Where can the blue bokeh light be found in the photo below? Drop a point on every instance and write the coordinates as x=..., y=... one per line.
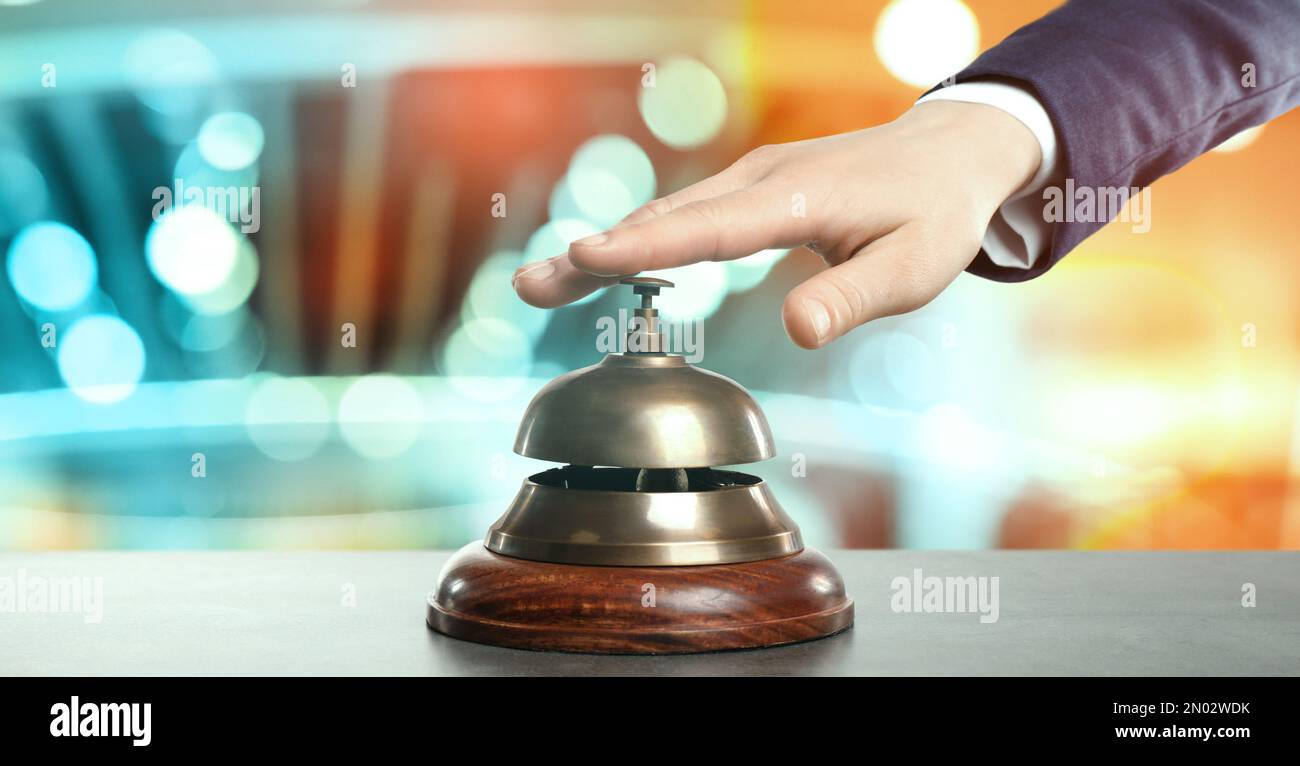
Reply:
x=610, y=176
x=231, y=140
x=101, y=358
x=51, y=266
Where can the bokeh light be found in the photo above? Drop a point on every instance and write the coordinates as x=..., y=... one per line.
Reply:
x=101, y=358
x=487, y=359
x=169, y=70
x=233, y=292
x=923, y=41
x=687, y=105
x=191, y=250
x=554, y=237
x=210, y=332
x=895, y=369
x=698, y=291
x=748, y=272
x=239, y=357
x=51, y=266
x=609, y=177
x=896, y=418
x=231, y=140
x=196, y=175
x=380, y=416
x=562, y=205
x=287, y=418
x=599, y=196
x=948, y=436
x=912, y=368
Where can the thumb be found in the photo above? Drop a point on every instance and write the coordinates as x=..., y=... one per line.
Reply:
x=892, y=275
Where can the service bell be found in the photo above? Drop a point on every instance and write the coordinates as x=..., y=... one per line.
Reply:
x=639, y=542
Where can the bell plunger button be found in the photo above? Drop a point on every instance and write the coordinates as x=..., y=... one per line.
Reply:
x=643, y=335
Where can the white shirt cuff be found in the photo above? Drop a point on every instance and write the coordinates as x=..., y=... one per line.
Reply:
x=1017, y=235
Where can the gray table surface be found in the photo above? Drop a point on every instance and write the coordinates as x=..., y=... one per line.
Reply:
x=1060, y=613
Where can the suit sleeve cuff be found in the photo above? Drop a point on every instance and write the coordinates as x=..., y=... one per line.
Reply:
x=1017, y=236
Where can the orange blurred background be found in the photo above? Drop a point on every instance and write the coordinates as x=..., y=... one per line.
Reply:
x=1157, y=326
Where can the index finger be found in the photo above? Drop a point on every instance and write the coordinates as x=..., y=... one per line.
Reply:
x=729, y=226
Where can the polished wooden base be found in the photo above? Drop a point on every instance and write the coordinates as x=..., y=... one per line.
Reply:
x=492, y=599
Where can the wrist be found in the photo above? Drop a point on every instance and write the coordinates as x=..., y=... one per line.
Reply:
x=994, y=149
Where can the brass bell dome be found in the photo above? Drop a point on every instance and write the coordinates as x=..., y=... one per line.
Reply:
x=644, y=409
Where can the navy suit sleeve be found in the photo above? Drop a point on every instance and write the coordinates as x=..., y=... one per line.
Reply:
x=1138, y=88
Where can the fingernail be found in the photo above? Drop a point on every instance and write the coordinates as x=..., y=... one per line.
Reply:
x=821, y=318
x=595, y=240
x=539, y=270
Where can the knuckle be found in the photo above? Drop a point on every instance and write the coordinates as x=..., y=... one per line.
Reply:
x=704, y=211
x=657, y=207
x=707, y=217
x=761, y=158
x=652, y=209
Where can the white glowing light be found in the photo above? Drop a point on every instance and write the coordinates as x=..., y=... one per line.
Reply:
x=700, y=290
x=686, y=106
x=191, y=250
x=948, y=436
x=1111, y=415
x=101, y=358
x=231, y=140
x=1239, y=141
x=380, y=416
x=923, y=41
x=287, y=418
x=235, y=290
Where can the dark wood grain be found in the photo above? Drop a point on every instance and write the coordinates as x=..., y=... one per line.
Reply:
x=492, y=599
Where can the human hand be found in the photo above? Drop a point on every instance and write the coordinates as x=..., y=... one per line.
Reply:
x=896, y=211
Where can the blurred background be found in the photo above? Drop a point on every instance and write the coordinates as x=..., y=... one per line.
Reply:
x=257, y=282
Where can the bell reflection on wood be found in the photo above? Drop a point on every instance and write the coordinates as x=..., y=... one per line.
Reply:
x=637, y=503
